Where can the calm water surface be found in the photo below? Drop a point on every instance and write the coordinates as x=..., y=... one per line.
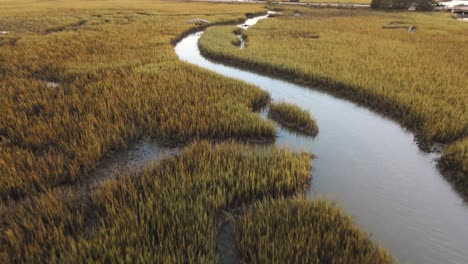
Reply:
x=371, y=167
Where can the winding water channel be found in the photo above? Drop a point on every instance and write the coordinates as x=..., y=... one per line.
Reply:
x=370, y=166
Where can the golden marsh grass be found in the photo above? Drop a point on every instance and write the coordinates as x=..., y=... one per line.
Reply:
x=166, y=213
x=119, y=79
x=417, y=78
x=293, y=117
x=295, y=230
x=79, y=79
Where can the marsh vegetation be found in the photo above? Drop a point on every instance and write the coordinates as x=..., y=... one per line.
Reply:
x=352, y=55
x=111, y=90
x=294, y=117
x=167, y=212
x=295, y=230
x=79, y=79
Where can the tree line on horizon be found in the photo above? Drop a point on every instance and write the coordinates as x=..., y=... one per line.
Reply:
x=421, y=5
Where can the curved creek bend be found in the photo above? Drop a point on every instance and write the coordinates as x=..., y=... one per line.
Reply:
x=370, y=166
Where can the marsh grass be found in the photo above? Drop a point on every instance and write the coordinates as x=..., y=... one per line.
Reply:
x=455, y=163
x=294, y=117
x=166, y=213
x=294, y=230
x=119, y=79
x=418, y=78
